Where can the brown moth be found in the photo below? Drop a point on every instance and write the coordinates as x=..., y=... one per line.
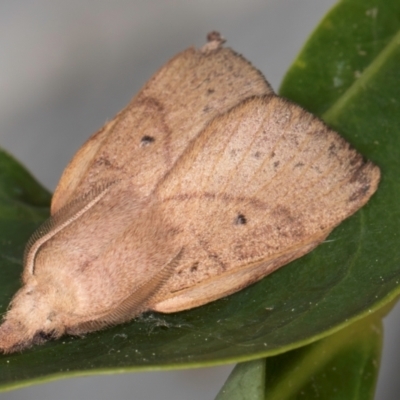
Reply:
x=205, y=183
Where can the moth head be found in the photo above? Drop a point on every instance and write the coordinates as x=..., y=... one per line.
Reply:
x=31, y=318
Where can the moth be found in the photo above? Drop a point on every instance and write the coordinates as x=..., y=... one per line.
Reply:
x=204, y=184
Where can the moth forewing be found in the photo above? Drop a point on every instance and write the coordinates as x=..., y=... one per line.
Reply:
x=60, y=220
x=170, y=110
x=132, y=305
x=228, y=282
x=266, y=181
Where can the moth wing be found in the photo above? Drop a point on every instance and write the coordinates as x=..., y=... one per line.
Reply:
x=262, y=185
x=145, y=139
x=133, y=304
x=59, y=221
x=108, y=259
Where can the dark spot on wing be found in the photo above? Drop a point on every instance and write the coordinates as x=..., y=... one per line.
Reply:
x=146, y=140
x=359, y=194
x=194, y=267
x=332, y=149
x=240, y=220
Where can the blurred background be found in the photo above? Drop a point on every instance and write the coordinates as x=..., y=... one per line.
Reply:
x=68, y=67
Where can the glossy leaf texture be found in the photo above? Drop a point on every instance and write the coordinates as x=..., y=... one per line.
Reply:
x=23, y=206
x=341, y=366
x=246, y=381
x=355, y=272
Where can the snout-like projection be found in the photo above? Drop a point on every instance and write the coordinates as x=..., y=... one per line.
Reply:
x=205, y=183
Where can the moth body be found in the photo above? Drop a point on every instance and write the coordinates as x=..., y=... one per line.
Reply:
x=204, y=184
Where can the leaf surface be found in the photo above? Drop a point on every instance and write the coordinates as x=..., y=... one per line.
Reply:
x=344, y=365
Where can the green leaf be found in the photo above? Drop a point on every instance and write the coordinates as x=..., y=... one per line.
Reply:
x=344, y=365
x=341, y=366
x=353, y=273
x=246, y=382
x=347, y=41
x=23, y=206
